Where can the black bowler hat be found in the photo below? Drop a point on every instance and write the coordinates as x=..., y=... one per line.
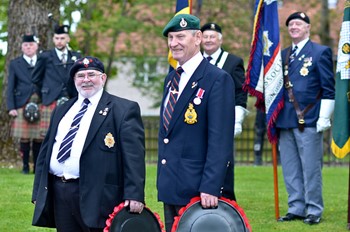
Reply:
x=28, y=38
x=62, y=29
x=121, y=220
x=86, y=63
x=228, y=217
x=211, y=26
x=298, y=15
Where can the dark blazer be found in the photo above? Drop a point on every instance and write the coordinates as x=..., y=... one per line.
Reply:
x=107, y=175
x=20, y=87
x=234, y=65
x=52, y=76
x=194, y=158
x=318, y=80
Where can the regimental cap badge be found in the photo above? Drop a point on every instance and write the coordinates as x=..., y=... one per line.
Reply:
x=183, y=23
x=302, y=15
x=212, y=26
x=86, y=62
x=109, y=140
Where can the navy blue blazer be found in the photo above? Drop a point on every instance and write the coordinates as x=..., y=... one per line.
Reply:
x=307, y=84
x=20, y=87
x=194, y=158
x=52, y=76
x=108, y=175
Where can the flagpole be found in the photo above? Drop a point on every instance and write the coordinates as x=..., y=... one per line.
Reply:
x=349, y=199
x=275, y=179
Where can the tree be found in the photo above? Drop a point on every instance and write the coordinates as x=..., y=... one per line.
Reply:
x=24, y=17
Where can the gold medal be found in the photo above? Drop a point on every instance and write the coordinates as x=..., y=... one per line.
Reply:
x=109, y=140
x=304, y=71
x=190, y=115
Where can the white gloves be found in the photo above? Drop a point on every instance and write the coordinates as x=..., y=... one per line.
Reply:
x=326, y=111
x=240, y=113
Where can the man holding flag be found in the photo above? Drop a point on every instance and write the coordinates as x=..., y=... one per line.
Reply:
x=308, y=106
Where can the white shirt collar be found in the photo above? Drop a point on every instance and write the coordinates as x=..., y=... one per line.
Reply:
x=27, y=58
x=214, y=56
x=93, y=100
x=191, y=65
x=300, y=45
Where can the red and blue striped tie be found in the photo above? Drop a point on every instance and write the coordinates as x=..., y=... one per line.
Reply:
x=174, y=93
x=66, y=145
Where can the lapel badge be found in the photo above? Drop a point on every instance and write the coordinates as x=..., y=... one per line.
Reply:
x=194, y=84
x=304, y=71
x=190, y=115
x=109, y=140
x=104, y=112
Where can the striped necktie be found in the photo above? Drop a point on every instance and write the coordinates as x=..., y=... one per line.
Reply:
x=293, y=54
x=66, y=145
x=174, y=93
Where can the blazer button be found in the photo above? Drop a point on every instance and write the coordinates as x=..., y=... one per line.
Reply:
x=166, y=140
x=163, y=161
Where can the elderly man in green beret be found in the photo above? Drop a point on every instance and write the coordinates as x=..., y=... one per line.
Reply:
x=195, y=157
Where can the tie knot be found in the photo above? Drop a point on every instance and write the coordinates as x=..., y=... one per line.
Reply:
x=209, y=58
x=179, y=70
x=86, y=101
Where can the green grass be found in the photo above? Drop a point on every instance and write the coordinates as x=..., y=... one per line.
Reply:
x=254, y=190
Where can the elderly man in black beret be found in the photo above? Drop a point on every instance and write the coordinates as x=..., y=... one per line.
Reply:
x=234, y=65
x=308, y=106
x=195, y=146
x=51, y=74
x=92, y=158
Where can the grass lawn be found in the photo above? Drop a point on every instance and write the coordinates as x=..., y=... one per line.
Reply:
x=254, y=191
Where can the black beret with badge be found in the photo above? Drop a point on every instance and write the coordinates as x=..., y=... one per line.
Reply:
x=211, y=26
x=86, y=63
x=182, y=22
x=298, y=15
x=61, y=29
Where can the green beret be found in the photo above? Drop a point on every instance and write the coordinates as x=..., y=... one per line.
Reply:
x=182, y=22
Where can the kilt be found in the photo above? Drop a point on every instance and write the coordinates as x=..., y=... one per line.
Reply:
x=20, y=128
x=46, y=112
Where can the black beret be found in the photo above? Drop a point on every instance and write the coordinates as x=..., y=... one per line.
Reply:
x=298, y=15
x=181, y=22
x=211, y=26
x=28, y=38
x=62, y=29
x=86, y=63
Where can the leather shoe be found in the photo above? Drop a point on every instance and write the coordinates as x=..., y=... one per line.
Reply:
x=290, y=217
x=312, y=219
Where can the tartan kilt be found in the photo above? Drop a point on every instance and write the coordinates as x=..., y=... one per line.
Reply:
x=46, y=112
x=22, y=129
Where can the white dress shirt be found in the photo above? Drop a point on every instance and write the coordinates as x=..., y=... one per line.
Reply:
x=70, y=168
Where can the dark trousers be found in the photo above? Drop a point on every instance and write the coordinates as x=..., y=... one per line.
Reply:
x=67, y=207
x=170, y=211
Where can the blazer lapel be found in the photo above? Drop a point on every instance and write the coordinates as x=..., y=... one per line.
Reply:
x=98, y=118
x=187, y=93
x=298, y=63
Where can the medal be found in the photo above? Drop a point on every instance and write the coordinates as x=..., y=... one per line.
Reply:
x=199, y=96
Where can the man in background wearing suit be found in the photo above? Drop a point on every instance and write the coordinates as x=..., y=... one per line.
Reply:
x=51, y=74
x=21, y=91
x=195, y=145
x=308, y=106
x=232, y=64
x=79, y=181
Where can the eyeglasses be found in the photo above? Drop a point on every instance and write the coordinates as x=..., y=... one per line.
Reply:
x=90, y=75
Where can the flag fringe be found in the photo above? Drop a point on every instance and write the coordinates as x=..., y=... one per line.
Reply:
x=340, y=152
